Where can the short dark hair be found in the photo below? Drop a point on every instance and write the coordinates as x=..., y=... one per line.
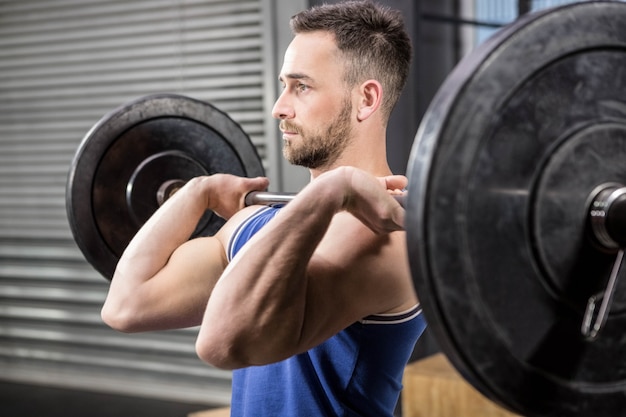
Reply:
x=373, y=39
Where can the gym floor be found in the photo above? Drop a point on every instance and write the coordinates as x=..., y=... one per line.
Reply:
x=18, y=400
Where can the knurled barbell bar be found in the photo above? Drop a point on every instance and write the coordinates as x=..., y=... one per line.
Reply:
x=516, y=204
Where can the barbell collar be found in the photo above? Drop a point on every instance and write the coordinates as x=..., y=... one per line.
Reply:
x=607, y=214
x=168, y=189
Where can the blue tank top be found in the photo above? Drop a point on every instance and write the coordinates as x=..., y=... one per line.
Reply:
x=357, y=372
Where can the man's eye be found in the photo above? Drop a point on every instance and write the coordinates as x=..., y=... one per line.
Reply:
x=302, y=87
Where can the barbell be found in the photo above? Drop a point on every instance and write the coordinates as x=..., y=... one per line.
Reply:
x=516, y=207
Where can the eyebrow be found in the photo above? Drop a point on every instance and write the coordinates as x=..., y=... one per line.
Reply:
x=295, y=76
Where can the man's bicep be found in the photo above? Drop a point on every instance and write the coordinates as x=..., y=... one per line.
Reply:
x=177, y=295
x=198, y=265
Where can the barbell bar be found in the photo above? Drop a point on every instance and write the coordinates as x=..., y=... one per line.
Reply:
x=267, y=198
x=515, y=210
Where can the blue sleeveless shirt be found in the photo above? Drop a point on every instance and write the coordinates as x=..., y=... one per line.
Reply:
x=357, y=372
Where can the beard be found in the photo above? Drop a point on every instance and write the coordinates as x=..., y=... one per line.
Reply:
x=321, y=147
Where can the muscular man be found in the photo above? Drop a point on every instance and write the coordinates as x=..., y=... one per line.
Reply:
x=311, y=304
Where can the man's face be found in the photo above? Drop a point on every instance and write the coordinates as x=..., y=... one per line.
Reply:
x=315, y=106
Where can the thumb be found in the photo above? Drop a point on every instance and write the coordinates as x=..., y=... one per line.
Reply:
x=258, y=183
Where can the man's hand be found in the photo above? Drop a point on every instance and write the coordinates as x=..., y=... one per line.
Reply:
x=366, y=197
x=225, y=194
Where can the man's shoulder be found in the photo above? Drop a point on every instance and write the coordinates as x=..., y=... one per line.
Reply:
x=351, y=244
x=243, y=225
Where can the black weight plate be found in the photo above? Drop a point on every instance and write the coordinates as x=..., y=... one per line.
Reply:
x=124, y=159
x=500, y=175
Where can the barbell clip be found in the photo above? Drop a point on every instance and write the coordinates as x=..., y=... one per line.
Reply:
x=589, y=331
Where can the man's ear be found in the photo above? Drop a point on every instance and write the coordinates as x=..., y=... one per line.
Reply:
x=370, y=99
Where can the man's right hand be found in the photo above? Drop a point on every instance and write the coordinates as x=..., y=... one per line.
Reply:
x=225, y=193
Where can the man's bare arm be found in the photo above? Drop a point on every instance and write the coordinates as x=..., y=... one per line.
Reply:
x=283, y=294
x=163, y=280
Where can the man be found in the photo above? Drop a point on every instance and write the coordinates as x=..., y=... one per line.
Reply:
x=312, y=304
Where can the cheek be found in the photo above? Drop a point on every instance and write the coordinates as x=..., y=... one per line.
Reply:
x=320, y=116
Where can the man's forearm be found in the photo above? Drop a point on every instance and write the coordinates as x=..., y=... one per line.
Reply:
x=264, y=295
x=170, y=226
x=137, y=301
x=163, y=280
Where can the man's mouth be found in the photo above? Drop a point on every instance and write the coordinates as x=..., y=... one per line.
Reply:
x=289, y=130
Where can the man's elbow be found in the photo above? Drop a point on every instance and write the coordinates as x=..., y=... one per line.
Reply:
x=120, y=319
x=224, y=348
x=227, y=349
x=219, y=354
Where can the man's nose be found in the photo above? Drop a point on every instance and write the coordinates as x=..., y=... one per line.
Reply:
x=282, y=108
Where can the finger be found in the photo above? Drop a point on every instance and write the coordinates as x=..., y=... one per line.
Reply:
x=395, y=182
x=397, y=217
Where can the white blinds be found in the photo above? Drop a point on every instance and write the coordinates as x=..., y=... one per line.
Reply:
x=63, y=65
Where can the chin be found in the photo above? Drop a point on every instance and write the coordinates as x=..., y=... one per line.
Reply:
x=288, y=152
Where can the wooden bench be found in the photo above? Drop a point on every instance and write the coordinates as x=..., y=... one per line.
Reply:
x=217, y=412
x=433, y=388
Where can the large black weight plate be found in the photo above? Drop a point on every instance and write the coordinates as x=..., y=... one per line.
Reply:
x=124, y=159
x=500, y=177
